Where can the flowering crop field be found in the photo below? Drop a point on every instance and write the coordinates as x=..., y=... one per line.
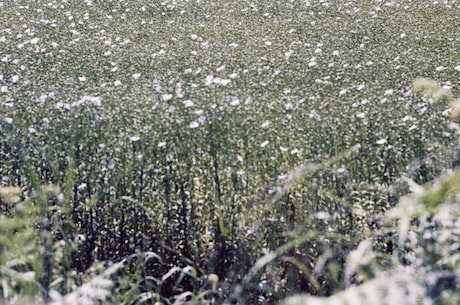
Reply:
x=183, y=140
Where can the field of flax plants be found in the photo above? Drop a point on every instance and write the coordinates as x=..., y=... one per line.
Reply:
x=161, y=152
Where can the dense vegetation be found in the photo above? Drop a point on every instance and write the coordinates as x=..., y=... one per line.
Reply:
x=153, y=152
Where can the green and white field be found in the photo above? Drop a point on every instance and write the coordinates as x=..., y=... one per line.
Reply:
x=229, y=152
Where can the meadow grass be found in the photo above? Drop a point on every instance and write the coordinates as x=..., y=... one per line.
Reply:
x=188, y=138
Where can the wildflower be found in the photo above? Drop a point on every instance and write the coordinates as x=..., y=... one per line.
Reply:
x=381, y=141
x=440, y=68
x=388, y=92
x=263, y=144
x=288, y=53
x=166, y=97
x=235, y=101
x=225, y=82
x=314, y=115
x=265, y=124
x=295, y=151
x=194, y=124
x=202, y=119
x=188, y=103
x=208, y=81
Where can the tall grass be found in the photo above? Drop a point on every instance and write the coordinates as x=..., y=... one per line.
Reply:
x=187, y=139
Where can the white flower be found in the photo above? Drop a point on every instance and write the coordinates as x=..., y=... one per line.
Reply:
x=136, y=75
x=288, y=54
x=314, y=115
x=34, y=40
x=117, y=83
x=361, y=115
x=381, y=141
x=265, y=124
x=221, y=68
x=240, y=172
x=9, y=120
x=446, y=134
x=134, y=138
x=82, y=78
x=194, y=124
x=208, y=81
x=235, y=101
x=295, y=151
x=440, y=68
x=343, y=92
x=225, y=82
x=166, y=97
x=335, y=53
x=188, y=103
x=233, y=75
x=402, y=35
x=15, y=78
x=457, y=68
x=4, y=89
x=388, y=92
x=407, y=118
x=161, y=144
x=264, y=143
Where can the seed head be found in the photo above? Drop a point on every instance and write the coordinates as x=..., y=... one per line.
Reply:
x=10, y=195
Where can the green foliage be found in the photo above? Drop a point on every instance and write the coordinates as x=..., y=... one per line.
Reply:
x=189, y=138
